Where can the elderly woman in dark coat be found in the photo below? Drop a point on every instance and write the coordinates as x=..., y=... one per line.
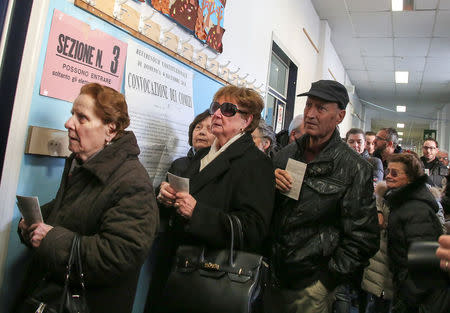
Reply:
x=412, y=218
x=105, y=197
x=232, y=177
x=200, y=136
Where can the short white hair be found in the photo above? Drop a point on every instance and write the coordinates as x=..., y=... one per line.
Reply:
x=295, y=123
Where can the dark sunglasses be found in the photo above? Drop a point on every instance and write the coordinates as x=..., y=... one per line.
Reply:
x=227, y=109
x=394, y=173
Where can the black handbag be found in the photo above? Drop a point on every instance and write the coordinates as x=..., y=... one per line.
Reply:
x=52, y=297
x=219, y=281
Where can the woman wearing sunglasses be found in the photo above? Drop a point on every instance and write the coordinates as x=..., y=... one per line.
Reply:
x=412, y=218
x=231, y=177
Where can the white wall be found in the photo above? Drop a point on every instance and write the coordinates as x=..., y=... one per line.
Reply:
x=251, y=26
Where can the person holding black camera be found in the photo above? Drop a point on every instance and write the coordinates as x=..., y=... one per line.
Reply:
x=412, y=219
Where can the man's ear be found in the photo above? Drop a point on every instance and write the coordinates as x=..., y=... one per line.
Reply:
x=341, y=116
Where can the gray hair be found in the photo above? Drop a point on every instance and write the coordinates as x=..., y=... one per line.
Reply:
x=267, y=132
x=295, y=123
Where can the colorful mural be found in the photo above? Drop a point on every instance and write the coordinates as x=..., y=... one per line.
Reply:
x=204, y=18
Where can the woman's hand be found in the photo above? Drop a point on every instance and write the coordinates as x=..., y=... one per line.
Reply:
x=166, y=194
x=283, y=180
x=443, y=252
x=185, y=204
x=24, y=230
x=37, y=232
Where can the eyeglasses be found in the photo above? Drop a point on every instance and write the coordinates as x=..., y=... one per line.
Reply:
x=227, y=109
x=428, y=148
x=380, y=138
x=394, y=173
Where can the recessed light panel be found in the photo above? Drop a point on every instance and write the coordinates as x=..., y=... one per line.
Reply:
x=397, y=5
x=400, y=133
x=400, y=125
x=401, y=108
x=401, y=77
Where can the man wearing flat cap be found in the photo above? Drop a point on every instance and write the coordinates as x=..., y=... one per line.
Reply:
x=326, y=237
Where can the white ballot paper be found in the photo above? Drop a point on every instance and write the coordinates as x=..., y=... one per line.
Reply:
x=297, y=171
x=180, y=184
x=30, y=209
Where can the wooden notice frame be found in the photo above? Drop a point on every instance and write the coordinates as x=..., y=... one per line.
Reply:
x=93, y=10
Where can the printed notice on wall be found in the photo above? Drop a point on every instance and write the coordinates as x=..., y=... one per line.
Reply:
x=160, y=104
x=77, y=55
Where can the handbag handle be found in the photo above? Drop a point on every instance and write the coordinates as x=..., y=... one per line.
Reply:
x=79, y=263
x=231, y=257
x=240, y=232
x=70, y=263
x=74, y=261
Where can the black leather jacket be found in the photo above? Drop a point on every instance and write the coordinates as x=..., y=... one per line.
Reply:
x=330, y=233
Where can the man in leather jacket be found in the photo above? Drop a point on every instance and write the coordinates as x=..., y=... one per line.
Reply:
x=329, y=234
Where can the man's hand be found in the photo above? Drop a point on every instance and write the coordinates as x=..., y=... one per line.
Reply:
x=283, y=180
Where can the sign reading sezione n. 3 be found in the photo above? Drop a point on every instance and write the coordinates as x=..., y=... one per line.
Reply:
x=77, y=55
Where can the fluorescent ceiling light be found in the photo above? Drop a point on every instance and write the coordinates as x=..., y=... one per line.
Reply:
x=400, y=125
x=401, y=108
x=400, y=133
x=397, y=5
x=400, y=139
x=401, y=77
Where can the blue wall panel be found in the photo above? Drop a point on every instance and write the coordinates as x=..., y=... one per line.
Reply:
x=40, y=176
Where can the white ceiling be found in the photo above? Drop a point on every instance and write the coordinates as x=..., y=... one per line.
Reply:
x=373, y=42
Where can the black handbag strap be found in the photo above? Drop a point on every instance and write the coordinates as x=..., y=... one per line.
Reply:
x=79, y=263
x=240, y=235
x=68, y=272
x=231, y=257
x=74, y=261
x=239, y=231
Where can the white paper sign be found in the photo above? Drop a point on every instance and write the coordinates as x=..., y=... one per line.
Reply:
x=297, y=171
x=30, y=209
x=180, y=184
x=159, y=94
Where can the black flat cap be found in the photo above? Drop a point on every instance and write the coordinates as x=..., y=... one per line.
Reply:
x=329, y=90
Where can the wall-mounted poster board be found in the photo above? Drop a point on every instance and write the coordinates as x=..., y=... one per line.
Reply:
x=159, y=93
x=203, y=18
x=41, y=175
x=140, y=25
x=76, y=55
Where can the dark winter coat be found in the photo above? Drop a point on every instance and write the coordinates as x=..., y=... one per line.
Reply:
x=330, y=233
x=437, y=171
x=377, y=166
x=180, y=165
x=109, y=202
x=412, y=218
x=240, y=181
